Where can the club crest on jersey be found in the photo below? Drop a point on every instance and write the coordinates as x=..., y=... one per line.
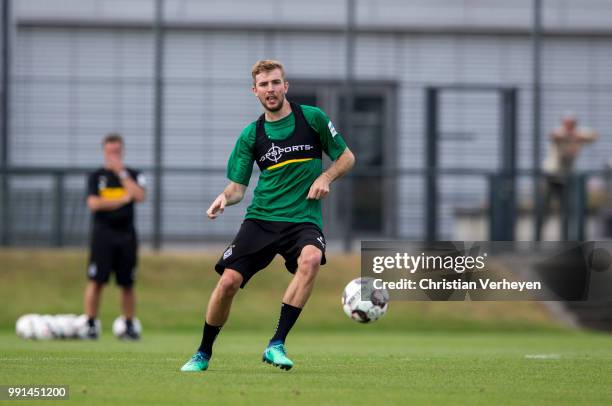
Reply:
x=228, y=252
x=102, y=182
x=275, y=152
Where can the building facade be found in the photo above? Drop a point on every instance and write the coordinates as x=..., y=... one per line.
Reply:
x=83, y=68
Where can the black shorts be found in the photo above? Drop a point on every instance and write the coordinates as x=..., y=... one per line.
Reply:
x=113, y=250
x=258, y=242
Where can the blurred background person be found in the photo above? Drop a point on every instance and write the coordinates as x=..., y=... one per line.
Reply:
x=111, y=193
x=566, y=142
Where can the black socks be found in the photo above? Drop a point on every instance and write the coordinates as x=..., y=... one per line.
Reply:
x=208, y=338
x=287, y=319
x=288, y=316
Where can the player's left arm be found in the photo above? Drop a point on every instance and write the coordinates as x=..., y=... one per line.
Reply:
x=320, y=187
x=334, y=146
x=135, y=188
x=587, y=135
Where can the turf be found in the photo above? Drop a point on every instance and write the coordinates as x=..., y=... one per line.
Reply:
x=419, y=353
x=367, y=367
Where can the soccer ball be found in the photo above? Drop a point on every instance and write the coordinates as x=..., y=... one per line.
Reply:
x=42, y=328
x=52, y=325
x=362, y=302
x=47, y=327
x=24, y=326
x=66, y=325
x=119, y=326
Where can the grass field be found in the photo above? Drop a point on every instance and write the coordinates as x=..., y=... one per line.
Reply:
x=332, y=368
x=419, y=353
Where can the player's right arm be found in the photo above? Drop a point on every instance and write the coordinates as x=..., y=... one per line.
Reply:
x=96, y=203
x=558, y=135
x=233, y=193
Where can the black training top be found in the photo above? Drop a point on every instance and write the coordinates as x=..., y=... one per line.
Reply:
x=106, y=184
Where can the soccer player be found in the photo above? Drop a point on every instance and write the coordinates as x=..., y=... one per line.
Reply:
x=284, y=216
x=112, y=192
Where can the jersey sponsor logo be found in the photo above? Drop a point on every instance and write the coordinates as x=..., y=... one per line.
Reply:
x=275, y=152
x=332, y=130
x=228, y=252
x=102, y=182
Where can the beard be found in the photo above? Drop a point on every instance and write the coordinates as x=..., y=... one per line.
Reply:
x=273, y=109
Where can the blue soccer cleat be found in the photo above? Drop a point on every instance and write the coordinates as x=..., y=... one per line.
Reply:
x=198, y=362
x=277, y=356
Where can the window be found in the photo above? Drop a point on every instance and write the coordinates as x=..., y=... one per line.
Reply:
x=369, y=135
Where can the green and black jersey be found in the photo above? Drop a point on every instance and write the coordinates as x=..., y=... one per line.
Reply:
x=288, y=152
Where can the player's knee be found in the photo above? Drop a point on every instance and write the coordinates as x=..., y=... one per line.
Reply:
x=230, y=283
x=96, y=286
x=127, y=289
x=309, y=260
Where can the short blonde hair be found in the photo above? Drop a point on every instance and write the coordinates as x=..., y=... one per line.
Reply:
x=266, y=65
x=112, y=138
